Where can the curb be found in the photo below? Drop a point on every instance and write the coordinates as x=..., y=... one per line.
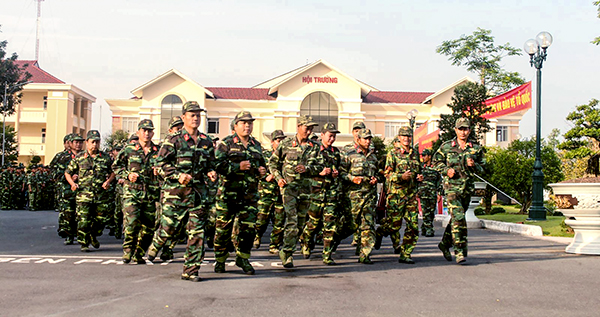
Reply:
x=522, y=229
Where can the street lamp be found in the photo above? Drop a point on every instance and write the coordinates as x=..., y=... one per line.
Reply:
x=537, y=53
x=5, y=100
x=412, y=115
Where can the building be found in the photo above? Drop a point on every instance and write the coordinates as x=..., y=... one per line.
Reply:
x=49, y=109
x=318, y=89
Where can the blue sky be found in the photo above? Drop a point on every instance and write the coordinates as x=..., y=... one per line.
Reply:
x=110, y=47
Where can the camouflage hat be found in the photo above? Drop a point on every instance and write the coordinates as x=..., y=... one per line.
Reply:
x=243, y=116
x=307, y=121
x=277, y=134
x=76, y=137
x=190, y=106
x=462, y=123
x=427, y=152
x=146, y=124
x=405, y=131
x=365, y=134
x=175, y=121
x=134, y=137
x=313, y=136
x=68, y=137
x=93, y=135
x=118, y=147
x=330, y=126
x=359, y=125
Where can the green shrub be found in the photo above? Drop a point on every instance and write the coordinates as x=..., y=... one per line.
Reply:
x=479, y=211
x=498, y=202
x=497, y=210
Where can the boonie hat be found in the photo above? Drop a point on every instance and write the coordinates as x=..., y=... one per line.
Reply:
x=175, y=121
x=277, y=134
x=359, y=125
x=146, y=124
x=190, y=106
x=307, y=121
x=76, y=137
x=365, y=134
x=330, y=126
x=243, y=116
x=93, y=135
x=462, y=123
x=68, y=137
x=405, y=131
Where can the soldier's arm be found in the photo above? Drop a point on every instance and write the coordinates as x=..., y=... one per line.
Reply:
x=390, y=168
x=345, y=167
x=119, y=166
x=439, y=162
x=276, y=161
x=72, y=169
x=479, y=161
x=166, y=160
x=315, y=161
x=223, y=165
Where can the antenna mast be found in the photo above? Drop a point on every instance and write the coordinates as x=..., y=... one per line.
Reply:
x=37, y=32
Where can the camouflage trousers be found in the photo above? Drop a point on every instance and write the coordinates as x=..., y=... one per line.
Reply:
x=118, y=218
x=295, y=203
x=270, y=209
x=455, y=234
x=34, y=200
x=363, y=204
x=401, y=207
x=91, y=218
x=428, y=209
x=232, y=207
x=177, y=204
x=139, y=212
x=321, y=214
x=67, y=215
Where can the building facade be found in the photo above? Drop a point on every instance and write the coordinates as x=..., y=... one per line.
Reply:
x=318, y=89
x=49, y=109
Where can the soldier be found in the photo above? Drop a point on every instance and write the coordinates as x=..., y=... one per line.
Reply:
x=289, y=164
x=240, y=162
x=93, y=168
x=58, y=173
x=270, y=205
x=358, y=170
x=428, y=193
x=34, y=187
x=135, y=164
x=325, y=192
x=458, y=161
x=118, y=189
x=67, y=217
x=403, y=170
x=184, y=160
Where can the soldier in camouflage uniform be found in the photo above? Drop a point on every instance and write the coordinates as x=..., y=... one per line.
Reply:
x=428, y=193
x=270, y=205
x=239, y=160
x=457, y=161
x=56, y=172
x=93, y=168
x=324, y=196
x=358, y=170
x=135, y=163
x=403, y=170
x=290, y=163
x=34, y=186
x=184, y=161
x=117, y=230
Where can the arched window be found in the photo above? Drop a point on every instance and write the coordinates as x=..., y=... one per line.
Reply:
x=170, y=106
x=322, y=107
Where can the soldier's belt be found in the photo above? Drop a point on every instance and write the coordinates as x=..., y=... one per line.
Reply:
x=135, y=185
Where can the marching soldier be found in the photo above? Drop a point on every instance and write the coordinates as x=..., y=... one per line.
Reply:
x=428, y=193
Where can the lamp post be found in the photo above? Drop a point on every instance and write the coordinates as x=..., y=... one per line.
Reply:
x=412, y=115
x=537, y=53
x=5, y=106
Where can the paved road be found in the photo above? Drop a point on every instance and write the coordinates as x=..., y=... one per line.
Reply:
x=506, y=274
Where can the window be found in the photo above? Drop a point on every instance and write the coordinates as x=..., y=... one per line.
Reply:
x=322, y=107
x=45, y=102
x=391, y=129
x=129, y=124
x=501, y=133
x=213, y=125
x=43, y=135
x=170, y=106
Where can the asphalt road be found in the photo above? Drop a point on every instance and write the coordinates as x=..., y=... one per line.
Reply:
x=506, y=275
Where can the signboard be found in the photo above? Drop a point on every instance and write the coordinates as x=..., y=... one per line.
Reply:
x=420, y=131
x=319, y=80
x=426, y=141
x=510, y=102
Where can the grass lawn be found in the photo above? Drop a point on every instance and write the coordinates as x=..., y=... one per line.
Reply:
x=551, y=227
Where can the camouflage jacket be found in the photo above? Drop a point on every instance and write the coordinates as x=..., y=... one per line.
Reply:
x=398, y=161
x=328, y=157
x=290, y=154
x=450, y=155
x=59, y=164
x=132, y=159
x=430, y=186
x=230, y=152
x=268, y=188
x=355, y=162
x=92, y=173
x=179, y=154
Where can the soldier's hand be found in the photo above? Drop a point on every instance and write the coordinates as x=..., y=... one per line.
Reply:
x=74, y=187
x=325, y=171
x=357, y=180
x=121, y=181
x=133, y=177
x=270, y=177
x=451, y=172
x=335, y=173
x=155, y=171
x=75, y=177
x=262, y=171
x=470, y=161
x=373, y=180
x=106, y=184
x=407, y=175
x=282, y=183
x=212, y=175
x=245, y=165
x=300, y=169
x=420, y=178
x=184, y=179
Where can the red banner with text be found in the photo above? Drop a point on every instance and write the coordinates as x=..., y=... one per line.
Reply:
x=509, y=102
x=426, y=141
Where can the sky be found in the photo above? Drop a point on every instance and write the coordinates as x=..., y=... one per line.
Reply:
x=111, y=47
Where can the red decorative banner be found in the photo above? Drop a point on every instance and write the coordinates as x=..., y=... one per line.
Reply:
x=426, y=141
x=420, y=131
x=509, y=102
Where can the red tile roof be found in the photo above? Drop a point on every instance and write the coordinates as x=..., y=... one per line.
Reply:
x=396, y=97
x=38, y=75
x=241, y=93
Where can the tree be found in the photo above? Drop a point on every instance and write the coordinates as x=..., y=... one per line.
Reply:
x=118, y=137
x=10, y=146
x=479, y=55
x=583, y=139
x=469, y=102
x=597, y=39
x=510, y=169
x=13, y=78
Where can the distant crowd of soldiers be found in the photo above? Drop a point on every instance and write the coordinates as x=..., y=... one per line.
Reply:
x=193, y=188
x=30, y=188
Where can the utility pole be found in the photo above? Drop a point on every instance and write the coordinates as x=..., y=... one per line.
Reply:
x=37, y=31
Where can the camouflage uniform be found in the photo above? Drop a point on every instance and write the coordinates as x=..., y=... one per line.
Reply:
x=458, y=189
x=428, y=191
x=363, y=196
x=401, y=197
x=289, y=154
x=181, y=154
x=270, y=207
x=139, y=197
x=239, y=194
x=92, y=211
x=34, y=185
